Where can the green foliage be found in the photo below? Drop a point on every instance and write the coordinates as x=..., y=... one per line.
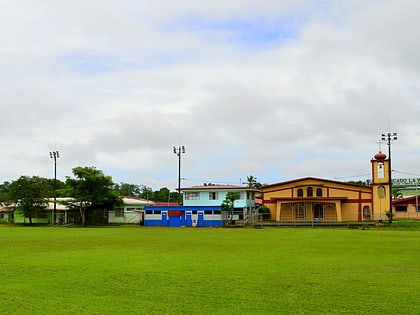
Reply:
x=90, y=190
x=141, y=191
x=228, y=205
x=265, y=211
x=164, y=195
x=208, y=271
x=125, y=189
x=251, y=182
x=359, y=182
x=30, y=195
x=397, y=194
x=4, y=191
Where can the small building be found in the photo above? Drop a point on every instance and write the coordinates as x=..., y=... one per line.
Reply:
x=130, y=212
x=214, y=195
x=6, y=213
x=317, y=200
x=183, y=216
x=407, y=208
x=202, y=207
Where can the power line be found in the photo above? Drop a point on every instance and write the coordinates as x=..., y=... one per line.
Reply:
x=353, y=176
x=405, y=173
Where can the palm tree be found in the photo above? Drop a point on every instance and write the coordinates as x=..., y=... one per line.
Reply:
x=397, y=194
x=251, y=182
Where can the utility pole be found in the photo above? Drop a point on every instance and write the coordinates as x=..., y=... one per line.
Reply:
x=178, y=151
x=55, y=155
x=389, y=137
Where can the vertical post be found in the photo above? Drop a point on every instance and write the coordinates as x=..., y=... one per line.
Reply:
x=388, y=137
x=178, y=151
x=55, y=155
x=417, y=203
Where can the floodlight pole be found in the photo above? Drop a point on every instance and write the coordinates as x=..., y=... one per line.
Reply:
x=55, y=155
x=178, y=151
x=389, y=137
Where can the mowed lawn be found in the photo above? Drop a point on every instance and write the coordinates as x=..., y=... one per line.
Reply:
x=141, y=270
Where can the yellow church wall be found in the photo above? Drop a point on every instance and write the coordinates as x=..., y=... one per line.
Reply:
x=348, y=199
x=350, y=212
x=352, y=202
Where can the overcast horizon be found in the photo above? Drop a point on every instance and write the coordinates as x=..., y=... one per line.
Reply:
x=274, y=89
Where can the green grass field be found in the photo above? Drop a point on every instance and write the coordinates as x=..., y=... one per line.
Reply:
x=140, y=270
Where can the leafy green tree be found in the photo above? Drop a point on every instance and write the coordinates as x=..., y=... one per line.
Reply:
x=146, y=193
x=228, y=204
x=165, y=195
x=265, y=212
x=90, y=189
x=4, y=191
x=55, y=185
x=30, y=195
x=125, y=189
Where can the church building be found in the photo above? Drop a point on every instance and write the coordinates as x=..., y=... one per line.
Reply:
x=316, y=199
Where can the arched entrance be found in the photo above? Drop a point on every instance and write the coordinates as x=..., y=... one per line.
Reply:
x=318, y=212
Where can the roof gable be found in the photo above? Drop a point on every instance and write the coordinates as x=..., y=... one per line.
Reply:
x=313, y=181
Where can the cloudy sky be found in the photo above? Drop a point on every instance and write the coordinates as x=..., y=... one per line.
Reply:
x=277, y=89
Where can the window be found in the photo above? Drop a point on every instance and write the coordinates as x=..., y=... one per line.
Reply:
x=213, y=195
x=381, y=192
x=192, y=196
x=119, y=212
x=299, y=212
x=418, y=208
x=300, y=192
x=309, y=192
x=366, y=212
x=401, y=208
x=319, y=192
x=381, y=173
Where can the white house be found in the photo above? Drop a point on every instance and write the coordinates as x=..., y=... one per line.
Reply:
x=131, y=211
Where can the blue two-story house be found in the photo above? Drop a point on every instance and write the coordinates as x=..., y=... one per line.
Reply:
x=202, y=207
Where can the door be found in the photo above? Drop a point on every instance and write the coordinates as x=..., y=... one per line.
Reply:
x=164, y=218
x=200, y=221
x=188, y=218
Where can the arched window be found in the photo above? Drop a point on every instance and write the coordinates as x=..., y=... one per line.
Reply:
x=319, y=192
x=366, y=213
x=381, y=192
x=300, y=192
x=309, y=192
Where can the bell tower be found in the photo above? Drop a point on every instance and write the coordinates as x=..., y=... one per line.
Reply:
x=381, y=186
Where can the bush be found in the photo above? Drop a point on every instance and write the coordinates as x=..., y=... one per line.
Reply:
x=265, y=212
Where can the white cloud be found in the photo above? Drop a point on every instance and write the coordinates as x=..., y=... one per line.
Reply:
x=116, y=84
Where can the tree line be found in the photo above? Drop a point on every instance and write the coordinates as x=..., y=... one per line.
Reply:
x=89, y=189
